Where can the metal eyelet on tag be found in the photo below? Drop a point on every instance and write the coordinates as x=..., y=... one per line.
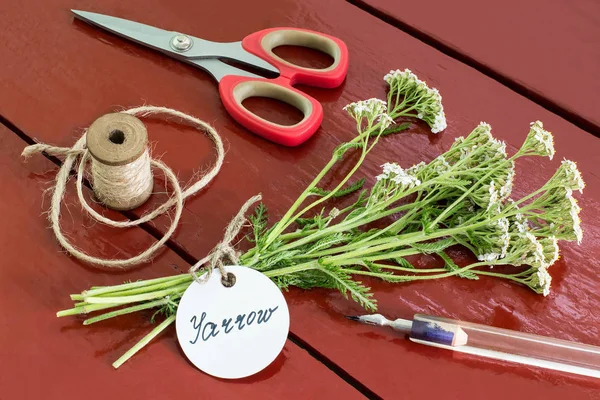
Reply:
x=228, y=280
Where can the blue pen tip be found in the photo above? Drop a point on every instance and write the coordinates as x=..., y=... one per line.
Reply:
x=353, y=318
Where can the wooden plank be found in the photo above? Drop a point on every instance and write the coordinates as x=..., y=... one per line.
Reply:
x=547, y=50
x=69, y=360
x=66, y=88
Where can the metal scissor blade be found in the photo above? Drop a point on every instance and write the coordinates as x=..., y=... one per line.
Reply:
x=235, y=51
x=218, y=69
x=160, y=40
x=147, y=35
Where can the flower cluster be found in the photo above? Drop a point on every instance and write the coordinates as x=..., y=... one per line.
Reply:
x=372, y=111
x=492, y=240
x=540, y=281
x=556, y=213
x=526, y=249
x=568, y=175
x=539, y=141
x=536, y=221
x=409, y=93
x=467, y=192
x=506, y=182
x=394, y=173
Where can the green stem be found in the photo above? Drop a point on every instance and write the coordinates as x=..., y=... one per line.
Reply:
x=139, y=345
x=277, y=230
x=87, y=308
x=375, y=247
x=287, y=219
x=498, y=275
x=326, y=197
x=530, y=195
x=414, y=270
x=393, y=254
x=340, y=260
x=514, y=277
x=374, y=274
x=465, y=194
x=149, y=288
x=127, y=310
x=447, y=274
x=140, y=297
x=290, y=270
x=344, y=226
x=126, y=286
x=294, y=235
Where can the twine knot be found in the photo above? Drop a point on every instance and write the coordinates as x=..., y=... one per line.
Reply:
x=224, y=249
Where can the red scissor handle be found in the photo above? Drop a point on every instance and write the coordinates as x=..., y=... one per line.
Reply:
x=235, y=89
x=263, y=42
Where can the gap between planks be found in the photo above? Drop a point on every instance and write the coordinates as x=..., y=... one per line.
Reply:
x=570, y=116
x=191, y=260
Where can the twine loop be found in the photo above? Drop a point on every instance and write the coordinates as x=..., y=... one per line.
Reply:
x=179, y=195
x=224, y=249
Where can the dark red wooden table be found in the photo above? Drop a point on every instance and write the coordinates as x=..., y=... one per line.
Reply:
x=58, y=75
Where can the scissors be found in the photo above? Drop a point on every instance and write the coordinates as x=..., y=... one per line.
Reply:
x=235, y=84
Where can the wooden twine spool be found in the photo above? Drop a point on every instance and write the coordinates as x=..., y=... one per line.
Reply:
x=122, y=178
x=121, y=172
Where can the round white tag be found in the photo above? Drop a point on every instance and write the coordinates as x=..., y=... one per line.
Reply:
x=233, y=332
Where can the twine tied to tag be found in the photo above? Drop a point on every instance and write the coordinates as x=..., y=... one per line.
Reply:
x=224, y=249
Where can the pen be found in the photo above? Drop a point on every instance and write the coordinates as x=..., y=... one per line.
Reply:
x=495, y=343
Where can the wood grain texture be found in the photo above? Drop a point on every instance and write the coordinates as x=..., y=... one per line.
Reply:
x=551, y=48
x=72, y=73
x=51, y=358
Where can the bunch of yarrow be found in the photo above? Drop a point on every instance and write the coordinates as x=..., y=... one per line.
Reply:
x=462, y=197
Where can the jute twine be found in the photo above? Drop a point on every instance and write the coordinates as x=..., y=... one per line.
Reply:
x=135, y=178
x=224, y=249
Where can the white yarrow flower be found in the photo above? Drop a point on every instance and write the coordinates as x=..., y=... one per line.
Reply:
x=519, y=217
x=573, y=176
x=551, y=250
x=544, y=280
x=485, y=126
x=426, y=101
x=334, y=213
x=482, y=134
x=574, y=213
x=392, y=168
x=488, y=257
x=415, y=169
x=539, y=141
x=521, y=226
x=500, y=147
x=439, y=122
x=493, y=196
x=398, y=175
x=538, y=260
x=406, y=180
x=506, y=189
x=371, y=110
x=385, y=120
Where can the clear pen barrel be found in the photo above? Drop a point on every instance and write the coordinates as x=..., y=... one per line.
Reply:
x=503, y=344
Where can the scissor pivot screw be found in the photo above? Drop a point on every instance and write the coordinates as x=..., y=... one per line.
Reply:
x=181, y=42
